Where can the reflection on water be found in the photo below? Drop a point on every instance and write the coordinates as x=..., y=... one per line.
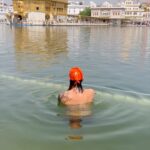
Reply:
x=110, y=58
x=75, y=123
x=79, y=110
x=76, y=114
x=37, y=46
x=144, y=43
x=128, y=42
x=124, y=41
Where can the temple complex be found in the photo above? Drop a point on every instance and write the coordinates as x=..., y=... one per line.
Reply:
x=39, y=11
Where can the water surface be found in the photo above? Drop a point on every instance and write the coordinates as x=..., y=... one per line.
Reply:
x=34, y=64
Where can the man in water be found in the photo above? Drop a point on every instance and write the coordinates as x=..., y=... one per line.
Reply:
x=76, y=95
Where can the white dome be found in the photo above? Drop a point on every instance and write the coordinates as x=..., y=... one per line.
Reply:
x=106, y=4
x=92, y=4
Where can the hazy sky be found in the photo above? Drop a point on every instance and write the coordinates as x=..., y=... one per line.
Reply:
x=97, y=1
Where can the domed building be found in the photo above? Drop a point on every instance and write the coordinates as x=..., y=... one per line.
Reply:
x=106, y=4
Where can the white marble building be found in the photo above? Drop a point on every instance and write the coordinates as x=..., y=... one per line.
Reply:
x=92, y=4
x=75, y=7
x=107, y=10
x=132, y=9
x=146, y=16
x=4, y=10
x=129, y=9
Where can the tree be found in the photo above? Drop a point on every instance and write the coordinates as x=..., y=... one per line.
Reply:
x=86, y=12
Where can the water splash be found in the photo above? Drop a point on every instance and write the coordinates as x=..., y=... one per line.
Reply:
x=127, y=97
x=101, y=93
x=32, y=81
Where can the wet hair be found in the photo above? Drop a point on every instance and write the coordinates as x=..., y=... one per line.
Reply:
x=75, y=84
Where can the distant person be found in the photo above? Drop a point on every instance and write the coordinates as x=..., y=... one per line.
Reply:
x=76, y=95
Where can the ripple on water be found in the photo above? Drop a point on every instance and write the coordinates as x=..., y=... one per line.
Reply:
x=31, y=107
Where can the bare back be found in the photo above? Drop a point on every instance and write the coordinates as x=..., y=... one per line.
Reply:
x=74, y=97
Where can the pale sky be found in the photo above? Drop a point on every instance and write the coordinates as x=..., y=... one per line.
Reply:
x=97, y=1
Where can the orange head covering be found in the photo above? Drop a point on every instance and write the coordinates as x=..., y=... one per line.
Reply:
x=75, y=74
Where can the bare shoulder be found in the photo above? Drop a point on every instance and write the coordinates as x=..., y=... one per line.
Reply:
x=63, y=97
x=90, y=94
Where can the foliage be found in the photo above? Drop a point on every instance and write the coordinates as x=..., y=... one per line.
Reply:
x=86, y=12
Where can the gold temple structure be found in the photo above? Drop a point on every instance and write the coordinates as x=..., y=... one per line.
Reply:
x=50, y=8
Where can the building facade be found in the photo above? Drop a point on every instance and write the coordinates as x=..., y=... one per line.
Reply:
x=39, y=10
x=75, y=7
x=129, y=10
x=107, y=11
x=4, y=11
x=1, y=6
x=146, y=16
x=132, y=10
x=145, y=6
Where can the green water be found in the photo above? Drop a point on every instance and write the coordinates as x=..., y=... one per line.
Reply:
x=34, y=64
